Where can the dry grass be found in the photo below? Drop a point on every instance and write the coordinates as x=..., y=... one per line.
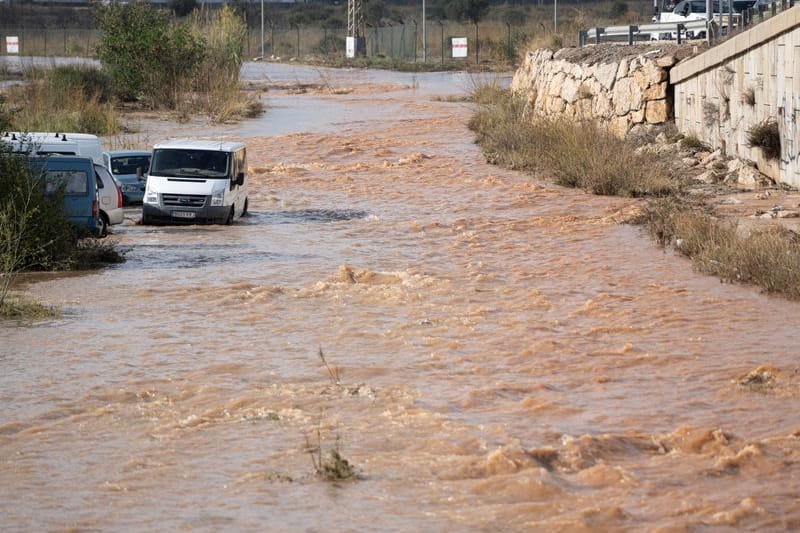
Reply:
x=572, y=154
x=22, y=308
x=768, y=258
x=62, y=99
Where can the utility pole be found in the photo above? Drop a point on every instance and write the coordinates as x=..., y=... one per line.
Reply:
x=356, y=41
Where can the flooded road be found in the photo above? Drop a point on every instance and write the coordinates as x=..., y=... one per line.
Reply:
x=509, y=356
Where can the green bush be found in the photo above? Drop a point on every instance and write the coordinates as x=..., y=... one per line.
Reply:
x=91, y=81
x=34, y=232
x=145, y=55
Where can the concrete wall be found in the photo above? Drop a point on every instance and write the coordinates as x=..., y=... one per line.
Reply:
x=755, y=76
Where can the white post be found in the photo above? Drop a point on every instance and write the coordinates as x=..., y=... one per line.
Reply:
x=262, y=30
x=424, y=36
x=555, y=16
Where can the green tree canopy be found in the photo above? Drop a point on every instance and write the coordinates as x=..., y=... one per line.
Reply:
x=471, y=10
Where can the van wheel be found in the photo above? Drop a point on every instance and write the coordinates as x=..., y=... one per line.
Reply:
x=244, y=211
x=102, y=225
x=229, y=218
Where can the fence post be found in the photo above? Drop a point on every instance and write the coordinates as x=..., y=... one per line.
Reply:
x=441, y=26
x=681, y=28
x=597, y=33
x=631, y=30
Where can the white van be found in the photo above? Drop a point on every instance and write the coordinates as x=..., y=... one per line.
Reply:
x=196, y=182
x=62, y=143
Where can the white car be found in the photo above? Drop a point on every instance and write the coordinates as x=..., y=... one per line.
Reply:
x=109, y=200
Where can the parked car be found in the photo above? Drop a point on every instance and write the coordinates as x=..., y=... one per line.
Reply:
x=74, y=176
x=109, y=199
x=129, y=168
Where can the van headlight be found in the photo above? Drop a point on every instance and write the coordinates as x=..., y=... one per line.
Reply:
x=150, y=196
x=218, y=198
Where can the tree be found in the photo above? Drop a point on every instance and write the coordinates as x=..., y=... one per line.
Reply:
x=471, y=10
x=145, y=54
x=181, y=8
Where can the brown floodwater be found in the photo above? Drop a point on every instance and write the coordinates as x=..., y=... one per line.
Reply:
x=510, y=356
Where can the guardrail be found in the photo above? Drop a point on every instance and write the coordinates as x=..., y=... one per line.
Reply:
x=646, y=32
x=726, y=24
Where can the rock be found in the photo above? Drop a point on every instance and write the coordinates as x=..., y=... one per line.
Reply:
x=619, y=126
x=707, y=158
x=656, y=92
x=666, y=61
x=606, y=74
x=626, y=96
x=656, y=112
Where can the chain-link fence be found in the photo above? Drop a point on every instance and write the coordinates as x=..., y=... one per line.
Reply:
x=403, y=41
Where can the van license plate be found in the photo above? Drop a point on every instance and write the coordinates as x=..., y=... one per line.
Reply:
x=183, y=214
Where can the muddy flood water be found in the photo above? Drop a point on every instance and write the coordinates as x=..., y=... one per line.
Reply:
x=510, y=357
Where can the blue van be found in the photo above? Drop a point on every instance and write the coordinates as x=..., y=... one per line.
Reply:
x=76, y=176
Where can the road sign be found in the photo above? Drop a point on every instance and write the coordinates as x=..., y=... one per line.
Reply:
x=12, y=44
x=459, y=47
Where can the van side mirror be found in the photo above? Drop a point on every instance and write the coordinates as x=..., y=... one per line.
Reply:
x=240, y=178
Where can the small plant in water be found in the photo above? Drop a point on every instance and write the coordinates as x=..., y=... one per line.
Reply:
x=333, y=371
x=330, y=466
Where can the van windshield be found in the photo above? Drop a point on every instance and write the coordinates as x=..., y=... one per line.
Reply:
x=186, y=163
x=130, y=164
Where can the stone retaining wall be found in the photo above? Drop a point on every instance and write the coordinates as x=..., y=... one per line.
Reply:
x=627, y=94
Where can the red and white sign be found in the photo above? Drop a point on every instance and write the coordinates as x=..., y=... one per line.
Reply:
x=12, y=44
x=459, y=46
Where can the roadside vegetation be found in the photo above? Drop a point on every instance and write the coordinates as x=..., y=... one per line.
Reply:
x=63, y=98
x=578, y=155
x=35, y=235
x=583, y=156
x=189, y=66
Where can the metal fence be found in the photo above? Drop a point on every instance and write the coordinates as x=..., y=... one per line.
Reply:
x=402, y=41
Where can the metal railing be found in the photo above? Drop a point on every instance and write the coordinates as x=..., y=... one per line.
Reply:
x=645, y=32
x=712, y=30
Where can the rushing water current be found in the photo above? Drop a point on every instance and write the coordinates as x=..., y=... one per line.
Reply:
x=509, y=356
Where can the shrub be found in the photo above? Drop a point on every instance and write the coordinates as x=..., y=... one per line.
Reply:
x=144, y=54
x=769, y=257
x=34, y=232
x=572, y=154
x=91, y=81
x=62, y=100
x=618, y=9
x=766, y=135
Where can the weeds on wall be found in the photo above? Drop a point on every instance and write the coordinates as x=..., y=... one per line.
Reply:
x=749, y=97
x=766, y=135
